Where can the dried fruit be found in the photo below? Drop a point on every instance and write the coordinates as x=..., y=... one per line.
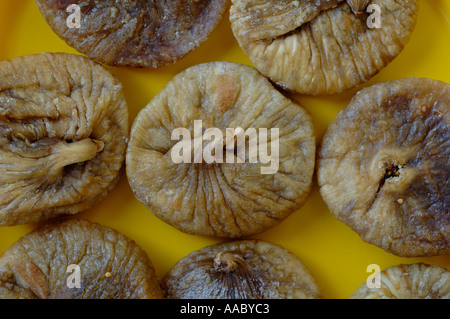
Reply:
x=323, y=46
x=248, y=269
x=213, y=198
x=38, y=265
x=414, y=281
x=135, y=33
x=63, y=135
x=383, y=166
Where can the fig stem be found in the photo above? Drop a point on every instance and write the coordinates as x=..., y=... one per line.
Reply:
x=227, y=262
x=76, y=152
x=358, y=6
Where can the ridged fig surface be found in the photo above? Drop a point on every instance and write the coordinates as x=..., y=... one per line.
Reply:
x=111, y=266
x=222, y=198
x=136, y=33
x=322, y=46
x=414, y=281
x=63, y=136
x=383, y=166
x=248, y=269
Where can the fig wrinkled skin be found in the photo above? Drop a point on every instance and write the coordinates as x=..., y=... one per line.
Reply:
x=246, y=269
x=63, y=136
x=43, y=264
x=383, y=166
x=413, y=281
x=136, y=33
x=320, y=47
x=221, y=199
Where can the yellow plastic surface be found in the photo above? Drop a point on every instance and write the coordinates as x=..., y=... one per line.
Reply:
x=334, y=254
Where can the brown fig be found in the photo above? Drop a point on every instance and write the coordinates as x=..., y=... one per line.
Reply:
x=230, y=194
x=63, y=136
x=134, y=33
x=414, y=281
x=248, y=269
x=322, y=46
x=76, y=259
x=383, y=166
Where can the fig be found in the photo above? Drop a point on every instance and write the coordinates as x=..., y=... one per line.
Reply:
x=413, y=281
x=245, y=269
x=63, y=136
x=232, y=194
x=322, y=46
x=383, y=166
x=77, y=259
x=135, y=33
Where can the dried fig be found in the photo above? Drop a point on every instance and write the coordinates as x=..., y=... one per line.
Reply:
x=383, y=166
x=322, y=46
x=135, y=33
x=414, y=281
x=221, y=198
x=111, y=266
x=63, y=136
x=248, y=269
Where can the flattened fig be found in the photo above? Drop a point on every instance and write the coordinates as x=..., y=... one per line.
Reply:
x=110, y=266
x=248, y=269
x=321, y=46
x=383, y=166
x=414, y=281
x=221, y=198
x=63, y=136
x=136, y=33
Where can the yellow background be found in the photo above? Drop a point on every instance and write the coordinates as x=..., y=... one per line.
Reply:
x=334, y=254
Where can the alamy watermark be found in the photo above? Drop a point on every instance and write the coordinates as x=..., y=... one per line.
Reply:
x=74, y=19
x=373, y=21
x=74, y=279
x=210, y=146
x=374, y=279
